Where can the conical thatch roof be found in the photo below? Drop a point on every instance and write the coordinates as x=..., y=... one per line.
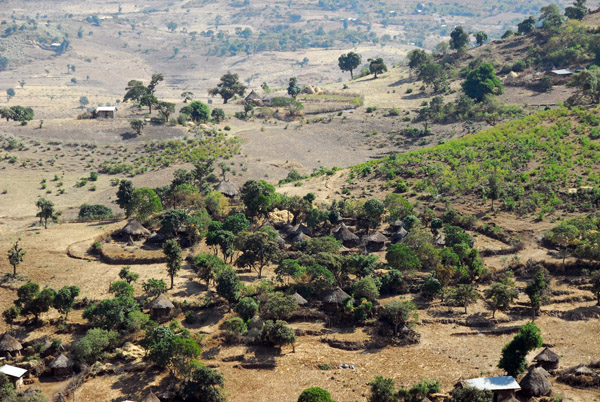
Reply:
x=150, y=397
x=300, y=237
x=60, y=362
x=9, y=344
x=253, y=96
x=335, y=296
x=228, y=189
x=134, y=228
x=299, y=299
x=399, y=235
x=344, y=234
x=161, y=302
x=376, y=237
x=547, y=355
x=583, y=370
x=536, y=382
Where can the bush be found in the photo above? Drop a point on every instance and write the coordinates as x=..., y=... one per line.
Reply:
x=471, y=394
x=235, y=326
x=94, y=212
x=278, y=307
x=365, y=288
x=246, y=308
x=89, y=348
x=315, y=394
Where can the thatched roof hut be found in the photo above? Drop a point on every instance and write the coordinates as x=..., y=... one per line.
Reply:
x=161, y=307
x=228, y=189
x=135, y=229
x=253, y=97
x=150, y=397
x=399, y=235
x=299, y=237
x=9, y=346
x=62, y=366
x=583, y=370
x=375, y=242
x=536, y=382
x=301, y=301
x=345, y=235
x=547, y=359
x=335, y=297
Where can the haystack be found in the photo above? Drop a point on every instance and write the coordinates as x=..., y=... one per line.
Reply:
x=547, y=359
x=228, y=189
x=150, y=397
x=9, y=346
x=375, y=241
x=161, y=307
x=301, y=301
x=134, y=229
x=536, y=382
x=62, y=366
x=308, y=90
x=343, y=234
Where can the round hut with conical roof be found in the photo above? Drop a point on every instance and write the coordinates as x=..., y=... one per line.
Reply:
x=9, y=347
x=301, y=301
x=536, y=383
x=150, y=397
x=547, y=359
x=375, y=242
x=135, y=230
x=161, y=308
x=62, y=366
x=345, y=235
x=228, y=189
x=334, y=299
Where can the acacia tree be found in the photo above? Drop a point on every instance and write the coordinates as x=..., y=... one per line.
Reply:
x=377, y=66
x=137, y=125
x=15, y=256
x=399, y=313
x=259, y=249
x=349, y=62
x=172, y=252
x=229, y=86
x=46, y=211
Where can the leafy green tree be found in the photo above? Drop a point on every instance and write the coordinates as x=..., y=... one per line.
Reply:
x=587, y=83
x=10, y=92
x=229, y=285
x=494, y=189
x=121, y=289
x=45, y=210
x=471, y=394
x=21, y=114
x=134, y=91
x=278, y=334
x=514, y=353
x=509, y=33
x=218, y=114
x=537, y=290
x=198, y=111
x=229, y=86
x=149, y=101
x=207, y=266
x=373, y=210
x=315, y=394
x=459, y=39
x=15, y=256
x=166, y=109
x=89, y=348
x=377, y=66
x=246, y=308
x=3, y=63
x=464, y=295
x=417, y=58
x=293, y=89
x=349, y=62
x=399, y=314
x=480, y=37
x=137, y=125
x=434, y=75
x=236, y=223
x=145, y=202
x=40, y=304
x=501, y=295
x=171, y=26
x=398, y=207
x=172, y=251
x=575, y=12
x=154, y=81
x=205, y=384
x=362, y=265
x=482, y=81
x=259, y=249
x=257, y=197
x=278, y=307
x=382, y=390
x=65, y=299
x=400, y=256
x=187, y=96
x=127, y=275
x=365, y=288
x=111, y=314
x=563, y=236
x=551, y=17
x=154, y=287
x=11, y=314
x=526, y=26
x=125, y=196
x=26, y=294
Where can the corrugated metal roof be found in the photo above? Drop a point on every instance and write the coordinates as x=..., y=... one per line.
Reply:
x=12, y=371
x=106, y=108
x=493, y=383
x=562, y=72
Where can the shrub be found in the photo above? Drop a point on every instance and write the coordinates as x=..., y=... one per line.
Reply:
x=246, y=308
x=315, y=394
x=366, y=288
x=95, y=211
x=89, y=348
x=235, y=326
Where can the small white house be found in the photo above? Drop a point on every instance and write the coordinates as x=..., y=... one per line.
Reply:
x=503, y=387
x=105, y=112
x=15, y=374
